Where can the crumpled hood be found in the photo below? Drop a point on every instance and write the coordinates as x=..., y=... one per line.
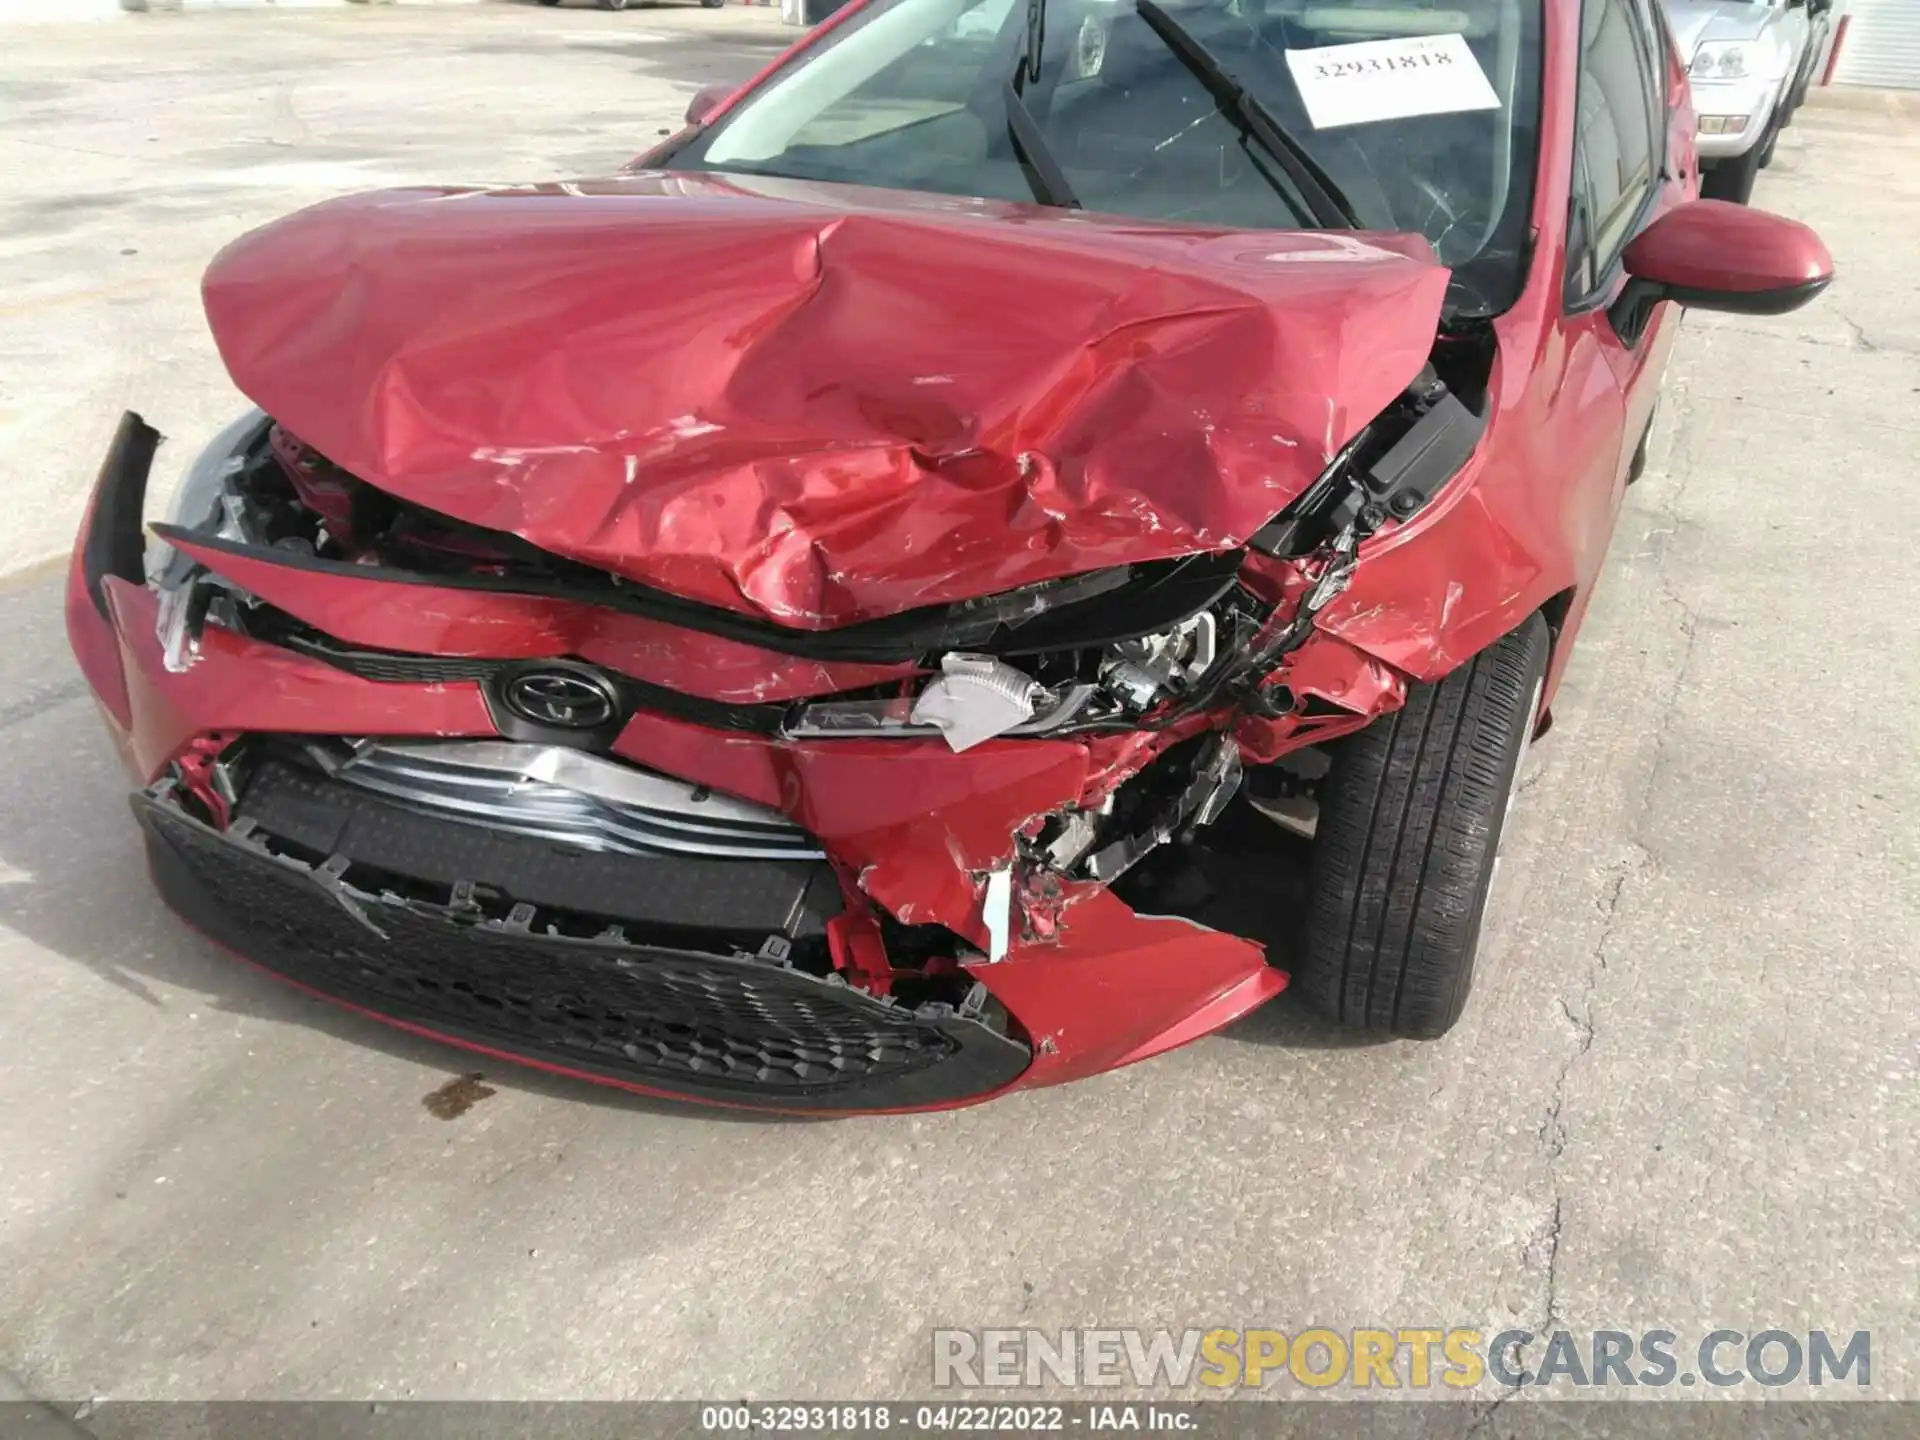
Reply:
x=818, y=403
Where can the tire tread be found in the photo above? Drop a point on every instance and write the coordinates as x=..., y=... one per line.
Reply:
x=1410, y=818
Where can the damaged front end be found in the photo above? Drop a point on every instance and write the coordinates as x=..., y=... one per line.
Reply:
x=748, y=700
x=436, y=773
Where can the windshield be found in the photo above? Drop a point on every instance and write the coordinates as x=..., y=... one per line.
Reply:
x=1423, y=115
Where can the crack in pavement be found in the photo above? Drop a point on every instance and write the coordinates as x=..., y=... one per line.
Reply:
x=1550, y=1242
x=1857, y=338
x=1860, y=340
x=1543, y=1248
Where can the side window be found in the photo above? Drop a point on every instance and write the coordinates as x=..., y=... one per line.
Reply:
x=1582, y=279
x=1617, y=134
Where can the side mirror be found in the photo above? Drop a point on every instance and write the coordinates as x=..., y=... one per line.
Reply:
x=705, y=101
x=1714, y=255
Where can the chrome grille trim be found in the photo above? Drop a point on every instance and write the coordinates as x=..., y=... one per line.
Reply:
x=575, y=798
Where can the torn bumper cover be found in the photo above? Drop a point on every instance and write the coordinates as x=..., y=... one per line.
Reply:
x=747, y=831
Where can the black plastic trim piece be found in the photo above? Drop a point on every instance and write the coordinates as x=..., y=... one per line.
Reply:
x=1633, y=307
x=1173, y=592
x=393, y=667
x=398, y=667
x=712, y=900
x=365, y=951
x=115, y=544
x=1154, y=595
x=1431, y=452
x=1368, y=486
x=1750, y=302
x=511, y=718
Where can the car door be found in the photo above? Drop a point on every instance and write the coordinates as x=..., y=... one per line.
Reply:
x=1633, y=160
x=1795, y=31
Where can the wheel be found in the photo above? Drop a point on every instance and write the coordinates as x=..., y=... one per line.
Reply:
x=712, y=4
x=1411, y=813
x=1732, y=179
x=613, y=4
x=1770, y=142
x=549, y=2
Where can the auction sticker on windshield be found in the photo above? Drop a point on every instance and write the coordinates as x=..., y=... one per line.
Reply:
x=1390, y=80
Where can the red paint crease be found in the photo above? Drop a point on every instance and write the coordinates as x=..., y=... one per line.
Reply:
x=815, y=403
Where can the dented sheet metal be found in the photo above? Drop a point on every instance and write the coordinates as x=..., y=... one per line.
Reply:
x=240, y=685
x=920, y=827
x=871, y=401
x=381, y=610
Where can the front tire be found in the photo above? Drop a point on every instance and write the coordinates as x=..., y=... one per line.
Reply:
x=1411, y=814
x=613, y=4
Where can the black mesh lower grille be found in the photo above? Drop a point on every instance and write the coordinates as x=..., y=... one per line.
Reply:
x=708, y=1026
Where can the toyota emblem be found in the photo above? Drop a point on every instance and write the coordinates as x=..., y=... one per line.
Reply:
x=566, y=698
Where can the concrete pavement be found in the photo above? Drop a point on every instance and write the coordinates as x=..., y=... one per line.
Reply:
x=1684, y=1094
x=131, y=152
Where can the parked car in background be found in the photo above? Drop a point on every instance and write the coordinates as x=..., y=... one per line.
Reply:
x=622, y=4
x=808, y=12
x=1749, y=67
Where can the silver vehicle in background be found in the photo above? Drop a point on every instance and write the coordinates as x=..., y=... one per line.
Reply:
x=1749, y=66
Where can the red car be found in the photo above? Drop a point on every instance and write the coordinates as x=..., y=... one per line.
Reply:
x=1010, y=537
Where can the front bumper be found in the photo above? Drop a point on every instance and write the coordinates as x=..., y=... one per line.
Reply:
x=1753, y=98
x=727, y=1028
x=907, y=823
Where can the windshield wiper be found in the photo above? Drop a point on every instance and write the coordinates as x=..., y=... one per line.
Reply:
x=1044, y=176
x=1324, y=201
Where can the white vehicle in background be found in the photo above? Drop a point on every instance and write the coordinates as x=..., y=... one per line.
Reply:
x=1749, y=66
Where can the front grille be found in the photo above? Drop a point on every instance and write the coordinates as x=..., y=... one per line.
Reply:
x=669, y=899
x=399, y=667
x=392, y=666
x=566, y=795
x=724, y=1027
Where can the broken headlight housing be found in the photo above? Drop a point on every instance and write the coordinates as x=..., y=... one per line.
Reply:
x=202, y=491
x=205, y=500
x=976, y=697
